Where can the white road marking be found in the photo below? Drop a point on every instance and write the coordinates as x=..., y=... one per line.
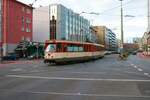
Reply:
x=84, y=94
x=77, y=79
x=132, y=64
x=17, y=69
x=35, y=66
x=78, y=72
x=139, y=69
x=79, y=93
x=135, y=66
x=146, y=73
x=34, y=71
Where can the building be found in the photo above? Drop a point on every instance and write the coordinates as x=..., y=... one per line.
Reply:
x=130, y=47
x=138, y=41
x=16, y=24
x=106, y=37
x=146, y=42
x=64, y=24
x=93, y=36
x=41, y=24
x=112, y=40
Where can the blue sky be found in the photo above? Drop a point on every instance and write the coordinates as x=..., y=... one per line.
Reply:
x=133, y=27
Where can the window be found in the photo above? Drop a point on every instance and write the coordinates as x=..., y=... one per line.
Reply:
x=80, y=49
x=23, y=9
x=59, y=47
x=70, y=48
x=22, y=29
x=28, y=20
x=23, y=38
x=28, y=11
x=51, y=48
x=74, y=48
x=28, y=39
x=28, y=30
x=22, y=19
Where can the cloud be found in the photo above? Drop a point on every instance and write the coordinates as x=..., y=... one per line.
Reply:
x=110, y=18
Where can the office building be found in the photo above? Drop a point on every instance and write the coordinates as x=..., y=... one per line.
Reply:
x=106, y=37
x=63, y=24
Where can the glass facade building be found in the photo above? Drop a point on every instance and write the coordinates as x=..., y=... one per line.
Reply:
x=67, y=25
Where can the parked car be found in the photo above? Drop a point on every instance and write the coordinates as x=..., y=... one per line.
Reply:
x=108, y=53
x=139, y=50
x=10, y=56
x=34, y=56
x=134, y=52
x=115, y=52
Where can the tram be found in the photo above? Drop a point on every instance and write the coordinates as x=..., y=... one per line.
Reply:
x=59, y=51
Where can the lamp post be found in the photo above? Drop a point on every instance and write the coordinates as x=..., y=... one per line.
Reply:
x=81, y=35
x=82, y=30
x=148, y=44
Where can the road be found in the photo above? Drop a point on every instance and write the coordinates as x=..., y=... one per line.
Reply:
x=103, y=79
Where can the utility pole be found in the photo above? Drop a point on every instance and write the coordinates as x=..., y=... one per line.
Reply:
x=122, y=31
x=148, y=15
x=148, y=27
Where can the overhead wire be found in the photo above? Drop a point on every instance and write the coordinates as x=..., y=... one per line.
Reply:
x=116, y=7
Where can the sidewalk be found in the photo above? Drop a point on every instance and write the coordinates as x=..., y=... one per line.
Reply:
x=145, y=55
x=20, y=61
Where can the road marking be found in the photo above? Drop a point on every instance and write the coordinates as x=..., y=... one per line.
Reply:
x=17, y=69
x=77, y=79
x=35, y=66
x=146, y=73
x=78, y=72
x=132, y=64
x=139, y=69
x=135, y=66
x=84, y=94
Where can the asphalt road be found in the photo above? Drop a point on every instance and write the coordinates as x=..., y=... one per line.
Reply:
x=103, y=79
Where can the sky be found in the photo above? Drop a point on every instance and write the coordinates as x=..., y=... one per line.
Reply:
x=109, y=14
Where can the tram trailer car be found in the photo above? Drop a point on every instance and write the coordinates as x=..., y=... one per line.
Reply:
x=58, y=51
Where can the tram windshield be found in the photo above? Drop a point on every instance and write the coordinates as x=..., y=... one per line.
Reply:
x=51, y=48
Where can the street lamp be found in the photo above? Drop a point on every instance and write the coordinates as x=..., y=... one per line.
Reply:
x=147, y=44
x=92, y=13
x=82, y=30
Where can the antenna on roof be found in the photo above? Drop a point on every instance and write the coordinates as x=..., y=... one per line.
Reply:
x=33, y=2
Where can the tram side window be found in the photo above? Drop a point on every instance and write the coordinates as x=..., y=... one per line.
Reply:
x=70, y=48
x=59, y=47
x=76, y=48
x=80, y=49
x=98, y=48
x=51, y=48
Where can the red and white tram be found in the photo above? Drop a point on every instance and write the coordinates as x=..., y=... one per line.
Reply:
x=57, y=51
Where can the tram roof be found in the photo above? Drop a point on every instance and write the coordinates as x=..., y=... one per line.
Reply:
x=71, y=42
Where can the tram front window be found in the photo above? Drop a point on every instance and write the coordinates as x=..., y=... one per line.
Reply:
x=51, y=48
